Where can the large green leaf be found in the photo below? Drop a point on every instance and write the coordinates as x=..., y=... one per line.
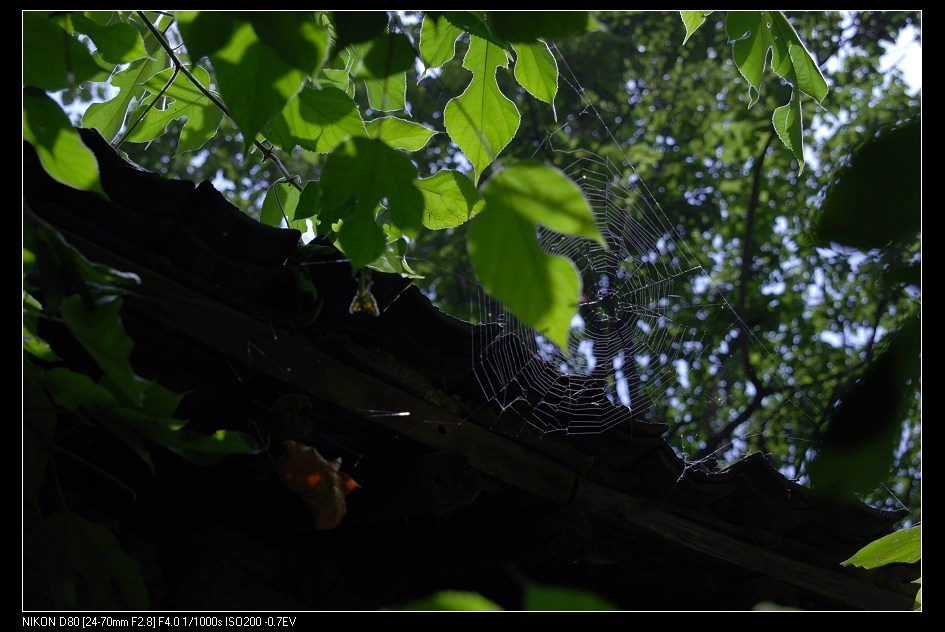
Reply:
x=295, y=36
x=356, y=177
x=77, y=392
x=254, y=79
x=537, y=71
x=552, y=598
x=541, y=289
x=60, y=150
x=903, y=546
x=387, y=54
x=453, y=600
x=205, y=32
x=109, y=117
x=788, y=121
x=753, y=34
x=310, y=201
x=527, y=26
x=449, y=199
x=176, y=437
x=438, y=40
x=876, y=198
x=52, y=58
x=64, y=270
x=337, y=78
x=116, y=43
x=203, y=117
x=354, y=27
x=281, y=200
x=473, y=22
x=318, y=120
x=543, y=195
x=85, y=566
x=400, y=134
x=388, y=94
x=482, y=120
x=32, y=343
x=100, y=331
x=857, y=449
x=692, y=20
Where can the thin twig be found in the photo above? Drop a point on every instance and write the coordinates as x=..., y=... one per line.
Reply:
x=98, y=470
x=160, y=94
x=267, y=152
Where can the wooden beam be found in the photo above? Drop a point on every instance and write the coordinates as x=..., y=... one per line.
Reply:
x=294, y=361
x=644, y=514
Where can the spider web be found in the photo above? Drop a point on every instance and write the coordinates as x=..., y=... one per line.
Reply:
x=646, y=305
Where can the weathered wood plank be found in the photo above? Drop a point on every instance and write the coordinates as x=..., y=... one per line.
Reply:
x=644, y=514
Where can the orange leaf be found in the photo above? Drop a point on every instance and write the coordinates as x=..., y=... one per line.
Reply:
x=320, y=483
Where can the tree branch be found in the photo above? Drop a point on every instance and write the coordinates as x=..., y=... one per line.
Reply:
x=744, y=275
x=266, y=151
x=716, y=440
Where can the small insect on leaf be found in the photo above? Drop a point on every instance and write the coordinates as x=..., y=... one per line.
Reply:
x=320, y=483
x=364, y=300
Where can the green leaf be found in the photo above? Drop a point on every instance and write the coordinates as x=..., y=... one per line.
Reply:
x=109, y=117
x=294, y=36
x=85, y=566
x=354, y=27
x=788, y=121
x=388, y=94
x=543, y=195
x=53, y=59
x=527, y=26
x=171, y=433
x=32, y=343
x=753, y=34
x=310, y=201
x=205, y=32
x=65, y=270
x=449, y=199
x=918, y=595
x=254, y=80
x=473, y=23
x=102, y=334
x=904, y=546
x=858, y=211
x=356, y=177
x=537, y=71
x=281, y=199
x=400, y=134
x=318, y=120
x=452, y=600
x=541, y=289
x=117, y=43
x=692, y=21
x=437, y=40
x=337, y=79
x=856, y=450
x=387, y=54
x=60, y=150
x=77, y=392
x=203, y=117
x=551, y=598
x=39, y=430
x=482, y=120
